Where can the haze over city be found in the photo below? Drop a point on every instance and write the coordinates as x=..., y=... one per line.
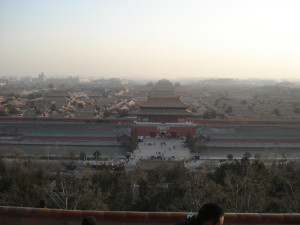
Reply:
x=138, y=112
x=157, y=39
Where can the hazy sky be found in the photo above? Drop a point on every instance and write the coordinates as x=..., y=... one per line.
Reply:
x=151, y=39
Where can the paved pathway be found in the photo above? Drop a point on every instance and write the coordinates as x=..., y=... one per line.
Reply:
x=153, y=147
x=159, y=148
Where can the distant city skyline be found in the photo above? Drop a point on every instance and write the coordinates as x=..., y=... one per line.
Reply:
x=156, y=39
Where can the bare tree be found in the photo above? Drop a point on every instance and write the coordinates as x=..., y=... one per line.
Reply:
x=68, y=192
x=17, y=152
x=292, y=190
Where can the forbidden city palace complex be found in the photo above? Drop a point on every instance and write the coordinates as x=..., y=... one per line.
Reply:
x=163, y=113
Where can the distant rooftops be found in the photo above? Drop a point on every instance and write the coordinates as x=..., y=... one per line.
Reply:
x=163, y=89
x=163, y=96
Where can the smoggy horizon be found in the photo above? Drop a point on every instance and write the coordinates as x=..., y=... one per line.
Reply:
x=150, y=39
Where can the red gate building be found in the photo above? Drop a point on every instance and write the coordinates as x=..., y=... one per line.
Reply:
x=163, y=113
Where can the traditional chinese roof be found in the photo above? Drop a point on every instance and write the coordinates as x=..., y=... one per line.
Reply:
x=155, y=112
x=163, y=89
x=163, y=94
x=163, y=103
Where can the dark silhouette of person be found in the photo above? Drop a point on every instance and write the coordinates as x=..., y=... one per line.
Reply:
x=43, y=203
x=89, y=220
x=209, y=214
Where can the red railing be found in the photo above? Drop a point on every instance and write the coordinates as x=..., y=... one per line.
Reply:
x=34, y=216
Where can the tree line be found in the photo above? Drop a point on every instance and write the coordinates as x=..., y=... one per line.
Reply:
x=239, y=186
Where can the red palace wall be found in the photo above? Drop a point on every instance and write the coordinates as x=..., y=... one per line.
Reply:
x=150, y=130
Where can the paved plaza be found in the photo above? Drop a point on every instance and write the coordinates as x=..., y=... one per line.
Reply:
x=173, y=149
x=161, y=149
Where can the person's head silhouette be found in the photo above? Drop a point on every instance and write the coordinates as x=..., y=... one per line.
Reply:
x=210, y=214
x=89, y=220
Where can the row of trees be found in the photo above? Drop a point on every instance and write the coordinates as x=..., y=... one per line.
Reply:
x=238, y=186
x=191, y=143
x=133, y=140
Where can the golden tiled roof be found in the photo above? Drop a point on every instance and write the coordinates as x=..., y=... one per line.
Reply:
x=163, y=103
x=146, y=112
x=163, y=89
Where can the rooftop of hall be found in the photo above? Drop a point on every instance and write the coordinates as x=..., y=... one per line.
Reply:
x=162, y=112
x=163, y=83
x=159, y=102
x=163, y=89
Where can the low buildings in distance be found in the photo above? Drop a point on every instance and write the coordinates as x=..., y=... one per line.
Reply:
x=225, y=100
x=108, y=109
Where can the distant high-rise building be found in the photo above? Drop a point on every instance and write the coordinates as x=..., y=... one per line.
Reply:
x=42, y=77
